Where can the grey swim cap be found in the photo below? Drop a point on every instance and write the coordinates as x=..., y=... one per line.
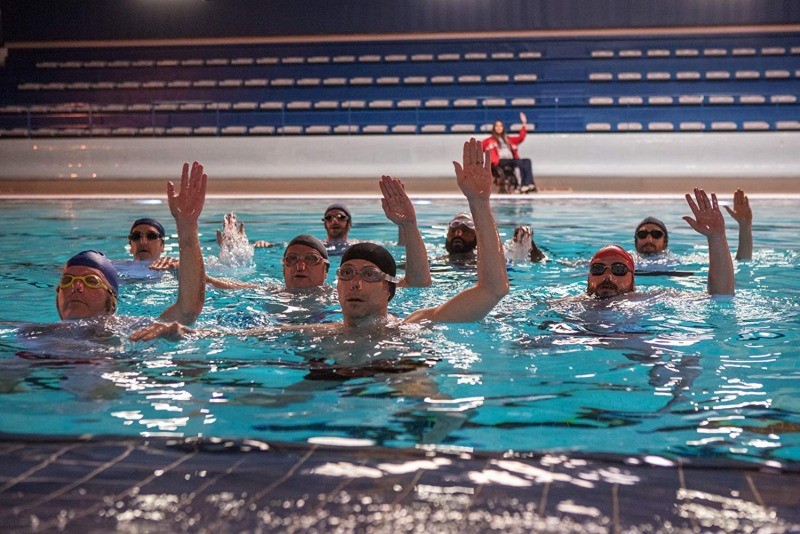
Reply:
x=342, y=207
x=309, y=241
x=657, y=222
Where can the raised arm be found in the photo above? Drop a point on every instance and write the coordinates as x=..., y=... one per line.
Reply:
x=744, y=216
x=399, y=209
x=708, y=220
x=186, y=206
x=474, y=179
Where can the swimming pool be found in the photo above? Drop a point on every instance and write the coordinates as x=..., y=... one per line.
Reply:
x=672, y=373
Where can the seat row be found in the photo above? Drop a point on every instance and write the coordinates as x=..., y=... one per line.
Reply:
x=691, y=75
x=431, y=103
x=417, y=80
x=280, y=82
x=251, y=130
x=298, y=105
x=692, y=126
x=695, y=52
x=291, y=60
x=352, y=129
x=505, y=55
x=691, y=100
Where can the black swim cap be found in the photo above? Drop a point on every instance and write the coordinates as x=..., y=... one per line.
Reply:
x=151, y=222
x=342, y=207
x=376, y=254
x=97, y=260
x=657, y=222
x=309, y=241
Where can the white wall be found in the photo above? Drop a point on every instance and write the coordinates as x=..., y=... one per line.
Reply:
x=683, y=155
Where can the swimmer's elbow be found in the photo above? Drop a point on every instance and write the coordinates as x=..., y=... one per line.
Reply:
x=500, y=290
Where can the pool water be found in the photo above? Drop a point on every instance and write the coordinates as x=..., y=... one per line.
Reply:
x=668, y=372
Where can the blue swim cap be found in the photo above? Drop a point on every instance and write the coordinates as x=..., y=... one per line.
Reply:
x=151, y=222
x=97, y=260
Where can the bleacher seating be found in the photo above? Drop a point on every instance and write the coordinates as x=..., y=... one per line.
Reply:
x=747, y=82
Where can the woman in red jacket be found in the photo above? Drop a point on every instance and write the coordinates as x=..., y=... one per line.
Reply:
x=505, y=158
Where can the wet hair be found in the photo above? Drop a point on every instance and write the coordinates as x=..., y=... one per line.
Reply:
x=97, y=260
x=150, y=222
x=376, y=254
x=312, y=242
x=657, y=222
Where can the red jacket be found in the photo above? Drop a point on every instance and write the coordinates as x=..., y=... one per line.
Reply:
x=490, y=143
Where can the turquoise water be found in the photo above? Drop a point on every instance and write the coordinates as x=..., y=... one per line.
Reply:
x=670, y=372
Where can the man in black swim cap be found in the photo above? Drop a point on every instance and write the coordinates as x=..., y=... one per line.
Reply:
x=366, y=277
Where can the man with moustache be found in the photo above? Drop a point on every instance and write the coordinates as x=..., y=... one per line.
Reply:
x=611, y=271
x=461, y=241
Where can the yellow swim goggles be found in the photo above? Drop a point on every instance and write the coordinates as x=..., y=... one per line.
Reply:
x=92, y=281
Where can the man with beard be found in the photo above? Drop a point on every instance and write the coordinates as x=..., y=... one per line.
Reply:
x=337, y=221
x=611, y=268
x=461, y=241
x=651, y=237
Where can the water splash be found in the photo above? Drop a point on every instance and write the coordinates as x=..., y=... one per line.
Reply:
x=236, y=252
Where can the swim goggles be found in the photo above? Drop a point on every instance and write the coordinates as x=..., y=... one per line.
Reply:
x=137, y=235
x=338, y=216
x=367, y=273
x=617, y=269
x=290, y=260
x=657, y=234
x=91, y=281
x=469, y=223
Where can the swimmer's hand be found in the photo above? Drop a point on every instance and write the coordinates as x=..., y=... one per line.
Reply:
x=708, y=218
x=474, y=177
x=522, y=233
x=229, y=227
x=263, y=244
x=396, y=204
x=741, y=209
x=164, y=264
x=172, y=331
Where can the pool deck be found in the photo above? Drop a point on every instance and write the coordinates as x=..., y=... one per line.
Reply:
x=171, y=485
x=342, y=188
